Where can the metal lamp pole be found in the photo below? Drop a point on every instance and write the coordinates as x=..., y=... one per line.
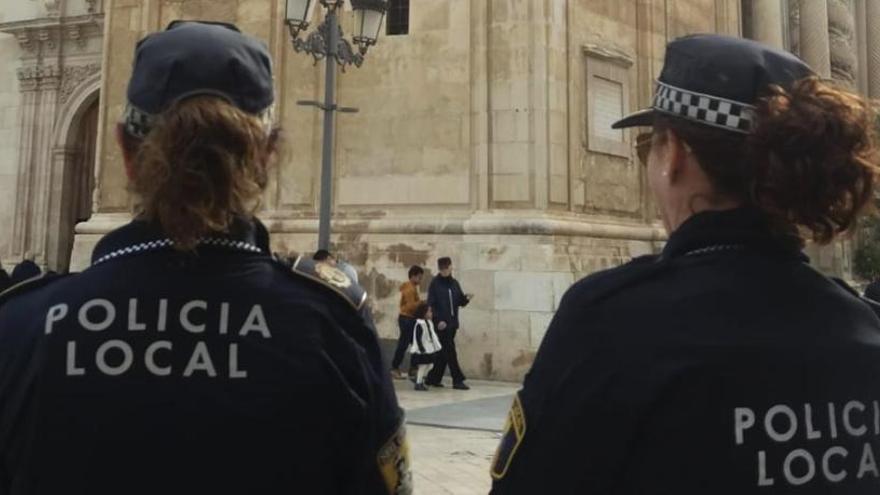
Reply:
x=327, y=152
x=327, y=42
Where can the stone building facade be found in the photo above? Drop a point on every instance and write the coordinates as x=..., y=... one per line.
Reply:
x=482, y=135
x=51, y=54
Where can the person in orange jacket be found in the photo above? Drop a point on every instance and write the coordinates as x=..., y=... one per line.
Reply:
x=409, y=303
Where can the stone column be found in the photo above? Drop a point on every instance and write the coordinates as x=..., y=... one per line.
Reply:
x=814, y=44
x=872, y=41
x=766, y=22
x=29, y=79
x=49, y=85
x=61, y=206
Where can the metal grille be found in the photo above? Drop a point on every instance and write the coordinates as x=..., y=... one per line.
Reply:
x=398, y=17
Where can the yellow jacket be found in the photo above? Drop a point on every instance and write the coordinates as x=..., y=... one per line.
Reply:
x=409, y=299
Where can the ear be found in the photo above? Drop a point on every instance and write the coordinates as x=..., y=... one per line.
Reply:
x=123, y=141
x=676, y=162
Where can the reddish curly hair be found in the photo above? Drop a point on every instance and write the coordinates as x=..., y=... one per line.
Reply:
x=811, y=162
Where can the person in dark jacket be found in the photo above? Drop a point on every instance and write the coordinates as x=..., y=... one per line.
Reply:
x=445, y=298
x=872, y=291
x=324, y=256
x=725, y=364
x=25, y=270
x=186, y=358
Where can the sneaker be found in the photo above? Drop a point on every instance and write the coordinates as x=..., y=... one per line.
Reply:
x=460, y=386
x=397, y=375
x=421, y=387
x=438, y=384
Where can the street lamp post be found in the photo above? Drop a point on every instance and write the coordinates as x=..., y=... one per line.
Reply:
x=328, y=42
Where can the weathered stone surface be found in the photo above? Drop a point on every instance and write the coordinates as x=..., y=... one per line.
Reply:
x=471, y=142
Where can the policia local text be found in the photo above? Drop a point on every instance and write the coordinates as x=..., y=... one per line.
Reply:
x=786, y=425
x=115, y=357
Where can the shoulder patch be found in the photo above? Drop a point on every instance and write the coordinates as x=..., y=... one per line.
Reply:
x=32, y=283
x=394, y=463
x=330, y=277
x=514, y=433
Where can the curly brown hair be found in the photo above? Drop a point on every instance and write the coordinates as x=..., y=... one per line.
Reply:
x=203, y=164
x=811, y=163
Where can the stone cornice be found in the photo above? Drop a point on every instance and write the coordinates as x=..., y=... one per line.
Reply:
x=478, y=224
x=49, y=31
x=610, y=54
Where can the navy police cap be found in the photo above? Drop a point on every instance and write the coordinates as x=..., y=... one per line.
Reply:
x=193, y=58
x=717, y=81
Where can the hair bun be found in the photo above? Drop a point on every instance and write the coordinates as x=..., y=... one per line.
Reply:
x=813, y=156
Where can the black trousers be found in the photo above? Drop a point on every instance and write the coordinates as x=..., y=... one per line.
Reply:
x=447, y=356
x=405, y=325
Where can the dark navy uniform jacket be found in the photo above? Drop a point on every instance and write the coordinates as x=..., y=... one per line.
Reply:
x=726, y=365
x=222, y=371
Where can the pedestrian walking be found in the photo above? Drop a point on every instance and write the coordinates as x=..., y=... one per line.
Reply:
x=725, y=364
x=446, y=298
x=409, y=303
x=426, y=345
x=187, y=358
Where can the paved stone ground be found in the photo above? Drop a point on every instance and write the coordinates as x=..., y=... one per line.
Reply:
x=453, y=435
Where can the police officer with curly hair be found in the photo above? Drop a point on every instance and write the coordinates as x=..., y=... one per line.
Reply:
x=186, y=358
x=726, y=364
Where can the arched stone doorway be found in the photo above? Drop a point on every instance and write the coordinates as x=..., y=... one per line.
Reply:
x=74, y=180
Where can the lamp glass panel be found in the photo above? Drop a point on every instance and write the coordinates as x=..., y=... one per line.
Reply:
x=299, y=11
x=369, y=22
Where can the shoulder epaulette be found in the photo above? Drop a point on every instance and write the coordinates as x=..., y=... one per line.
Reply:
x=328, y=276
x=30, y=284
x=845, y=286
x=874, y=305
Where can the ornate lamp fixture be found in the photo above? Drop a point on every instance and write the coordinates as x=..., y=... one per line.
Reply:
x=328, y=42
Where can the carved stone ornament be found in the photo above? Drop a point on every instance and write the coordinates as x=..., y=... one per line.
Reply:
x=53, y=7
x=39, y=76
x=28, y=73
x=841, y=27
x=50, y=77
x=49, y=38
x=26, y=41
x=75, y=34
x=74, y=76
x=29, y=77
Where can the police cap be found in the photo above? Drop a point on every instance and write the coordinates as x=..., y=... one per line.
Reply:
x=717, y=80
x=192, y=58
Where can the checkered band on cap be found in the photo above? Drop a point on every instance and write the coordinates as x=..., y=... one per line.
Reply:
x=138, y=123
x=705, y=109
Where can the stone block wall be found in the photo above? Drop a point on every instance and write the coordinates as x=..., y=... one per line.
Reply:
x=518, y=280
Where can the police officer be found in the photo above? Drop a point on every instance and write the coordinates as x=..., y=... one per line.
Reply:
x=726, y=364
x=186, y=359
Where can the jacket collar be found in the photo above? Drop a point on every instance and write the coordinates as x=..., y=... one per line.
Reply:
x=139, y=236
x=737, y=229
